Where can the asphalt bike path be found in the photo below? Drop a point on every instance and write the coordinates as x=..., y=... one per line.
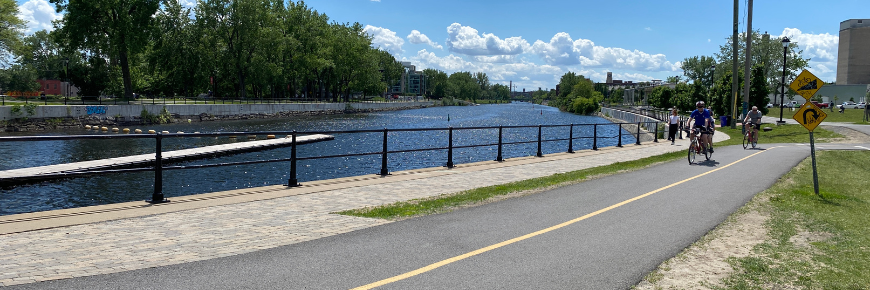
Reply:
x=606, y=233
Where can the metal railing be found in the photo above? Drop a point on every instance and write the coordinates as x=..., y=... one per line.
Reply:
x=158, y=166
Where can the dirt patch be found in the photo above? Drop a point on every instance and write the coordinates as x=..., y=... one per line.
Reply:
x=703, y=264
x=849, y=135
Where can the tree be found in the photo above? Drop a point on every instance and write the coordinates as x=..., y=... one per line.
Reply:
x=121, y=28
x=768, y=52
x=18, y=77
x=699, y=68
x=673, y=79
x=759, y=90
x=10, y=29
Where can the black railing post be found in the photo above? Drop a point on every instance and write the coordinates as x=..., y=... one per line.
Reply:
x=595, y=137
x=571, y=139
x=638, y=135
x=619, y=140
x=499, y=158
x=539, y=154
x=384, y=170
x=450, y=147
x=292, y=181
x=656, y=136
x=158, y=197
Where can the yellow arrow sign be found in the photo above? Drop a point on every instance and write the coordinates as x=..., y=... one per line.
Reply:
x=810, y=116
x=806, y=85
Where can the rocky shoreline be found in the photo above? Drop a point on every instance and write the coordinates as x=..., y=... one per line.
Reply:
x=42, y=124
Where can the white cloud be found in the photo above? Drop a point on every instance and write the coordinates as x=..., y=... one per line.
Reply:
x=466, y=40
x=38, y=14
x=821, y=49
x=496, y=58
x=525, y=74
x=385, y=39
x=648, y=29
x=419, y=38
x=188, y=3
x=376, y=0
x=563, y=50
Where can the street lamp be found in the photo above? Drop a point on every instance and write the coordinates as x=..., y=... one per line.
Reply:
x=785, y=42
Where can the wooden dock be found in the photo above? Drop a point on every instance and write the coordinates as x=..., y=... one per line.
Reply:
x=56, y=171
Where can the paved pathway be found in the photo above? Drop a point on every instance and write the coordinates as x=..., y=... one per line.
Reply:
x=127, y=236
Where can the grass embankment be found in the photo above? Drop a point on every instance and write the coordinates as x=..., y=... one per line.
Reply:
x=849, y=116
x=445, y=203
x=778, y=134
x=814, y=241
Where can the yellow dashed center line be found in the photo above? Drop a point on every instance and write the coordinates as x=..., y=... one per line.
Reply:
x=537, y=233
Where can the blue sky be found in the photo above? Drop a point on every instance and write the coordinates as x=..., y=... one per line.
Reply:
x=533, y=43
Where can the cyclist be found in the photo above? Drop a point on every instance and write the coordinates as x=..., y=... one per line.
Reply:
x=701, y=119
x=754, y=120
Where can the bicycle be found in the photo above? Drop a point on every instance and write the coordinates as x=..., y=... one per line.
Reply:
x=694, y=146
x=750, y=137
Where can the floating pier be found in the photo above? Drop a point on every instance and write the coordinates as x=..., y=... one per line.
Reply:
x=56, y=171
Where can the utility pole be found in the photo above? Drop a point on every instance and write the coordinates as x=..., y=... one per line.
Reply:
x=748, y=72
x=734, y=78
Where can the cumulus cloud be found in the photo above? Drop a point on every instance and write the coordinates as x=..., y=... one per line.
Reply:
x=38, y=14
x=419, y=38
x=467, y=40
x=496, y=58
x=821, y=49
x=385, y=39
x=563, y=50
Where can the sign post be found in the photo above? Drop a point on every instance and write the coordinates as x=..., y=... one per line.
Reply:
x=809, y=116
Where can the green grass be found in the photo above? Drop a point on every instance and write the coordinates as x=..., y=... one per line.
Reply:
x=446, y=203
x=778, y=134
x=814, y=241
x=849, y=116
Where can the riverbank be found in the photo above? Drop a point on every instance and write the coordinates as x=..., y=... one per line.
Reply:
x=41, y=118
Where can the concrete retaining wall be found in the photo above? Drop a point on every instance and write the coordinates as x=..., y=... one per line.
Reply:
x=129, y=111
x=630, y=117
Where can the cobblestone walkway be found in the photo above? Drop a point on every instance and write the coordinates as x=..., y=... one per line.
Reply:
x=160, y=238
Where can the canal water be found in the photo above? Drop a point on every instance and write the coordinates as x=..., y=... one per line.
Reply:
x=116, y=188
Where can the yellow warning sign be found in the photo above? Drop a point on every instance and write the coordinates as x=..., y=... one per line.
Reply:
x=810, y=116
x=806, y=85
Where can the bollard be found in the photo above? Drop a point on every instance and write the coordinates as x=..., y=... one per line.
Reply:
x=656, y=136
x=638, y=134
x=539, y=154
x=450, y=147
x=571, y=139
x=292, y=181
x=619, y=140
x=595, y=137
x=384, y=156
x=680, y=129
x=158, y=197
x=499, y=157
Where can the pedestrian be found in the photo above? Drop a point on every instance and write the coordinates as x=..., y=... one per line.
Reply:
x=673, y=122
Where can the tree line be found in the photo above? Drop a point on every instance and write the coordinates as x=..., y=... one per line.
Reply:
x=234, y=48
x=709, y=78
x=230, y=48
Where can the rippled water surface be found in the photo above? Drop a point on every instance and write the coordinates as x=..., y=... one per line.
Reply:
x=139, y=186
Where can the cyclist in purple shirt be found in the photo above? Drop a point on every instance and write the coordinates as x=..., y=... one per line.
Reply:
x=701, y=118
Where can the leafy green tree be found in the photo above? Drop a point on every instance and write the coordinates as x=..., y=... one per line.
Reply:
x=10, y=29
x=121, y=28
x=673, y=79
x=174, y=60
x=720, y=102
x=699, y=68
x=19, y=77
x=768, y=52
x=759, y=90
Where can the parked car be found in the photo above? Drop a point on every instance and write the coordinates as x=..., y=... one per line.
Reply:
x=862, y=105
x=820, y=105
x=850, y=105
x=769, y=105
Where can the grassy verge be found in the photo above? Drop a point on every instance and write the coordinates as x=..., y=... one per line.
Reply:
x=848, y=116
x=815, y=241
x=446, y=203
x=779, y=134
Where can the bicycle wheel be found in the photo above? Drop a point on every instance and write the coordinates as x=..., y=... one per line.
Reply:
x=754, y=139
x=746, y=140
x=707, y=152
x=692, y=147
